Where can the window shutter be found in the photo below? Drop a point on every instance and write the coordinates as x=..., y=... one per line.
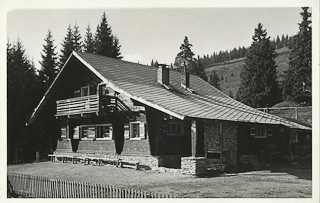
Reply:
x=142, y=130
x=76, y=133
x=131, y=130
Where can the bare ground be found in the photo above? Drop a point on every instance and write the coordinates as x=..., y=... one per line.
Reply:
x=281, y=180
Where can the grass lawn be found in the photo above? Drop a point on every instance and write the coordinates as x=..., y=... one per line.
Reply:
x=282, y=180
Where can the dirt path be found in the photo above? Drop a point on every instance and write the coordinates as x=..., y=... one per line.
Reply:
x=264, y=183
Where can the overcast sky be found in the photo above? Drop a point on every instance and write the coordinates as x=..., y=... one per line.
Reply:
x=154, y=33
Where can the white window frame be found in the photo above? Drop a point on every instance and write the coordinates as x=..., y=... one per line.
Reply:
x=95, y=137
x=141, y=130
x=110, y=132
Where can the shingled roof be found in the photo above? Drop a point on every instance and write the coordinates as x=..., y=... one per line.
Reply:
x=139, y=82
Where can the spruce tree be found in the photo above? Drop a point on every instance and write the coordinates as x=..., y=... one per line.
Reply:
x=104, y=41
x=67, y=47
x=297, y=86
x=88, y=41
x=76, y=38
x=259, y=86
x=49, y=63
x=116, y=49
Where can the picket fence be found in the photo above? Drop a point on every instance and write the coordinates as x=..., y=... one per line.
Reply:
x=41, y=187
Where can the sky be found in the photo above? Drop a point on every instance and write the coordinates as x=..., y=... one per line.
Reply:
x=154, y=33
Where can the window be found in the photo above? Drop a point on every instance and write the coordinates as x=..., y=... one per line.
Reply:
x=134, y=130
x=213, y=155
x=175, y=128
x=104, y=132
x=63, y=131
x=100, y=131
x=84, y=91
x=258, y=132
x=137, y=130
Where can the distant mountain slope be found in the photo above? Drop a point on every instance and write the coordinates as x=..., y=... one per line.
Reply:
x=230, y=71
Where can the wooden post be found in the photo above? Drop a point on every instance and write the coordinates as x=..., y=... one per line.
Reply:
x=193, y=138
x=296, y=113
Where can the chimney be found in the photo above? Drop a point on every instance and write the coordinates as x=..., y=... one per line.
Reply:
x=185, y=80
x=163, y=75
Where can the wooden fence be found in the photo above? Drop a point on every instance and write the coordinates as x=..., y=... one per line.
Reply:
x=41, y=187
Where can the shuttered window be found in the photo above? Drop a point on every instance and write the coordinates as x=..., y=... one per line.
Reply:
x=137, y=130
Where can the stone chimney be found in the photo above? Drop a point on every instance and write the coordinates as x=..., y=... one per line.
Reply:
x=163, y=75
x=185, y=79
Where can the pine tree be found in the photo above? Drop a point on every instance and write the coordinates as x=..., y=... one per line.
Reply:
x=152, y=63
x=259, y=86
x=104, y=41
x=49, y=63
x=88, y=42
x=67, y=47
x=214, y=80
x=185, y=56
x=76, y=38
x=298, y=83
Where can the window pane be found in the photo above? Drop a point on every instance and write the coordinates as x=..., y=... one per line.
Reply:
x=91, y=131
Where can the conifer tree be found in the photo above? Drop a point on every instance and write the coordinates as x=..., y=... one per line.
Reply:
x=152, y=63
x=199, y=69
x=49, y=63
x=259, y=86
x=214, y=80
x=22, y=96
x=88, y=42
x=104, y=42
x=67, y=46
x=76, y=38
x=185, y=56
x=297, y=85
x=116, y=49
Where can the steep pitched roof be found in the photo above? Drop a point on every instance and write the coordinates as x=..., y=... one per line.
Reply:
x=139, y=82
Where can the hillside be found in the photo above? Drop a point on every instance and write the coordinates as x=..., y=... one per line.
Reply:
x=230, y=71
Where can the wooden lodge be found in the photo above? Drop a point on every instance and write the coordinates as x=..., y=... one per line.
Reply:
x=157, y=117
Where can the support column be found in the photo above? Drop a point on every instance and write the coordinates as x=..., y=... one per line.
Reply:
x=193, y=138
x=197, y=138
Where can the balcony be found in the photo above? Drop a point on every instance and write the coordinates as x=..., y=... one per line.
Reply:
x=90, y=104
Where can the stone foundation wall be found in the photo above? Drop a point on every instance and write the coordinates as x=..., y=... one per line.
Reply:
x=146, y=162
x=198, y=165
x=170, y=161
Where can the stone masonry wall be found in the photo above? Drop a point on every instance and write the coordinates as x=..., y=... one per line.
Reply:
x=198, y=165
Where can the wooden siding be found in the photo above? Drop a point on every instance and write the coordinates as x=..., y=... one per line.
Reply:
x=90, y=104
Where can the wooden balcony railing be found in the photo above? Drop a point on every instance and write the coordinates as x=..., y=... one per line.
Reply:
x=90, y=104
